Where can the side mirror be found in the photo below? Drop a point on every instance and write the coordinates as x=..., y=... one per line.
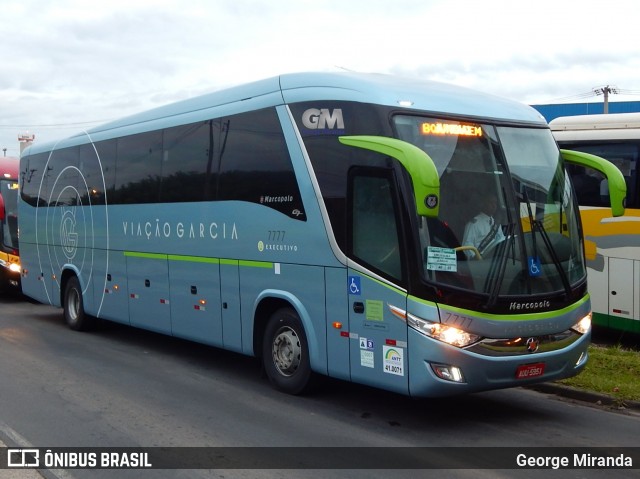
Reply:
x=423, y=172
x=615, y=179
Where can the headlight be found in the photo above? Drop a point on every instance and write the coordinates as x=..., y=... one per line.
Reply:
x=442, y=332
x=15, y=267
x=584, y=325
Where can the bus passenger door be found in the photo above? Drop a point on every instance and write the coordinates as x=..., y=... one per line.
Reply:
x=378, y=330
x=378, y=338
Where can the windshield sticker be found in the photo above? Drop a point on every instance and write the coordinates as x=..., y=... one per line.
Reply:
x=534, y=266
x=441, y=259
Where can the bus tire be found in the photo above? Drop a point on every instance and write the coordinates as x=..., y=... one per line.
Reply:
x=285, y=353
x=73, y=306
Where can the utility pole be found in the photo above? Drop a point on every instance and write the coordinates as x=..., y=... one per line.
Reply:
x=605, y=90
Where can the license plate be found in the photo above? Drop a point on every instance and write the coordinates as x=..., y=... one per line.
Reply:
x=527, y=371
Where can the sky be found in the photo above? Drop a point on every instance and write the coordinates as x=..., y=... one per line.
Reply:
x=69, y=65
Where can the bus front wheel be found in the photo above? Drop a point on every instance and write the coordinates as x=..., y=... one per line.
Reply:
x=73, y=306
x=285, y=353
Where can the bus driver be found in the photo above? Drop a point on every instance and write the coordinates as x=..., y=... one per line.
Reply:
x=483, y=231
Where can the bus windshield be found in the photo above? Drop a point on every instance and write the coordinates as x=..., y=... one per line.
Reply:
x=507, y=224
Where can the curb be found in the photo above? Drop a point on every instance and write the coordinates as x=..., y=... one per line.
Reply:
x=596, y=399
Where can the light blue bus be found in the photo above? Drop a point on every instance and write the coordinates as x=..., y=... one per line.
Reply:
x=316, y=221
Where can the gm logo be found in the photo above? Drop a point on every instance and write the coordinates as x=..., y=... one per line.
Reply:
x=323, y=119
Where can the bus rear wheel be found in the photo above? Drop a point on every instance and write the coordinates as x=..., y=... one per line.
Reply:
x=73, y=306
x=285, y=353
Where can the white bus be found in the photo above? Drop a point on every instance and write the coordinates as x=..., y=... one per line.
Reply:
x=612, y=244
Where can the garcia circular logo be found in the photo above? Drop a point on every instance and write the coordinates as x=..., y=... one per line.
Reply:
x=66, y=220
x=68, y=234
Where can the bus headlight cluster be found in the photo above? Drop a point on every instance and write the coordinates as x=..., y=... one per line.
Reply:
x=584, y=325
x=442, y=332
x=15, y=267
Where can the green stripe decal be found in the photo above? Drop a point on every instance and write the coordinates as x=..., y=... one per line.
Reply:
x=256, y=264
x=193, y=259
x=200, y=259
x=517, y=316
x=136, y=254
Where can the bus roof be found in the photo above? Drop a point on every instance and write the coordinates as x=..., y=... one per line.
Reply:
x=9, y=167
x=380, y=89
x=610, y=121
x=613, y=126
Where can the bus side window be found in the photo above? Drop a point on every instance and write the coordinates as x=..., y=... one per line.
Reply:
x=255, y=164
x=138, y=168
x=62, y=181
x=374, y=237
x=31, y=179
x=189, y=162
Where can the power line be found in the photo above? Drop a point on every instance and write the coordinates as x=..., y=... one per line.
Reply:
x=596, y=91
x=56, y=125
x=628, y=92
x=579, y=96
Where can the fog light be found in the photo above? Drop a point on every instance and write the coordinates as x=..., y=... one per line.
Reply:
x=447, y=372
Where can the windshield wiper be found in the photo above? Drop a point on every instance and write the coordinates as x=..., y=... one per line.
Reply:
x=499, y=265
x=496, y=273
x=537, y=225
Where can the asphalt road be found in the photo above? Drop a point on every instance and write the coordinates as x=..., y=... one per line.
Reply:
x=121, y=387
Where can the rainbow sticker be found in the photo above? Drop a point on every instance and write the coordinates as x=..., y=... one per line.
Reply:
x=393, y=360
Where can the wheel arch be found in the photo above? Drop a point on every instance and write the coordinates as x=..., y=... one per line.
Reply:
x=267, y=303
x=68, y=271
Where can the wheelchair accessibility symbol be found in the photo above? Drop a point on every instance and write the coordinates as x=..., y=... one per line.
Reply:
x=354, y=285
x=534, y=266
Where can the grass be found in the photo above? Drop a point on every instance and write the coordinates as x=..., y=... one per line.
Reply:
x=611, y=370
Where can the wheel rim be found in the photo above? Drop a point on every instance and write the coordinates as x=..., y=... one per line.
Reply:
x=73, y=302
x=286, y=351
